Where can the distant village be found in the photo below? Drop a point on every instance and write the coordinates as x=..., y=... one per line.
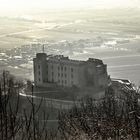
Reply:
x=57, y=70
x=20, y=58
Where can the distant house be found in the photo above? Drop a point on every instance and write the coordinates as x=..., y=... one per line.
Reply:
x=62, y=71
x=120, y=86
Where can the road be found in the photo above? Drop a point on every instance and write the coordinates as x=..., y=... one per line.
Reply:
x=37, y=29
x=26, y=31
x=56, y=103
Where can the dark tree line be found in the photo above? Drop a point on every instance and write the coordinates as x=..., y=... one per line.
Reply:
x=110, y=118
x=17, y=123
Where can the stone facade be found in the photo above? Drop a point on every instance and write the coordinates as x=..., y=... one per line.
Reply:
x=62, y=71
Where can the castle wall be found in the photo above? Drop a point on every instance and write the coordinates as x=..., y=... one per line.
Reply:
x=65, y=72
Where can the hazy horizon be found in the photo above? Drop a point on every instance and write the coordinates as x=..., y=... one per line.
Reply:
x=79, y=29
x=20, y=5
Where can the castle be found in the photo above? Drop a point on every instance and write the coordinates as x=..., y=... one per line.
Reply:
x=51, y=71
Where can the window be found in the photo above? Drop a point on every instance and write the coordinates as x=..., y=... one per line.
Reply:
x=62, y=82
x=52, y=74
x=72, y=82
x=61, y=67
x=65, y=68
x=58, y=81
x=65, y=75
x=52, y=67
x=39, y=73
x=38, y=66
x=71, y=69
x=39, y=79
x=58, y=74
x=61, y=74
x=71, y=75
x=65, y=81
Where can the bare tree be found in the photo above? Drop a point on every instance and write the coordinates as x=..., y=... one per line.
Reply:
x=17, y=123
x=111, y=117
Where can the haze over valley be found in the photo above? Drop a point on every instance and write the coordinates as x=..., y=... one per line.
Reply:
x=110, y=34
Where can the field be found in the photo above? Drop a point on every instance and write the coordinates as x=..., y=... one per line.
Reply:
x=18, y=30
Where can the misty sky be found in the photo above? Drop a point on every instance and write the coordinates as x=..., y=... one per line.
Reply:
x=53, y=4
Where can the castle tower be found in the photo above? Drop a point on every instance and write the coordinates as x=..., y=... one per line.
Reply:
x=40, y=69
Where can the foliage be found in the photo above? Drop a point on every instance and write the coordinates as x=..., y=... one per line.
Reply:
x=16, y=124
x=108, y=118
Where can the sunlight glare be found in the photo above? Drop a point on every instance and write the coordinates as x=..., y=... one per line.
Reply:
x=52, y=4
